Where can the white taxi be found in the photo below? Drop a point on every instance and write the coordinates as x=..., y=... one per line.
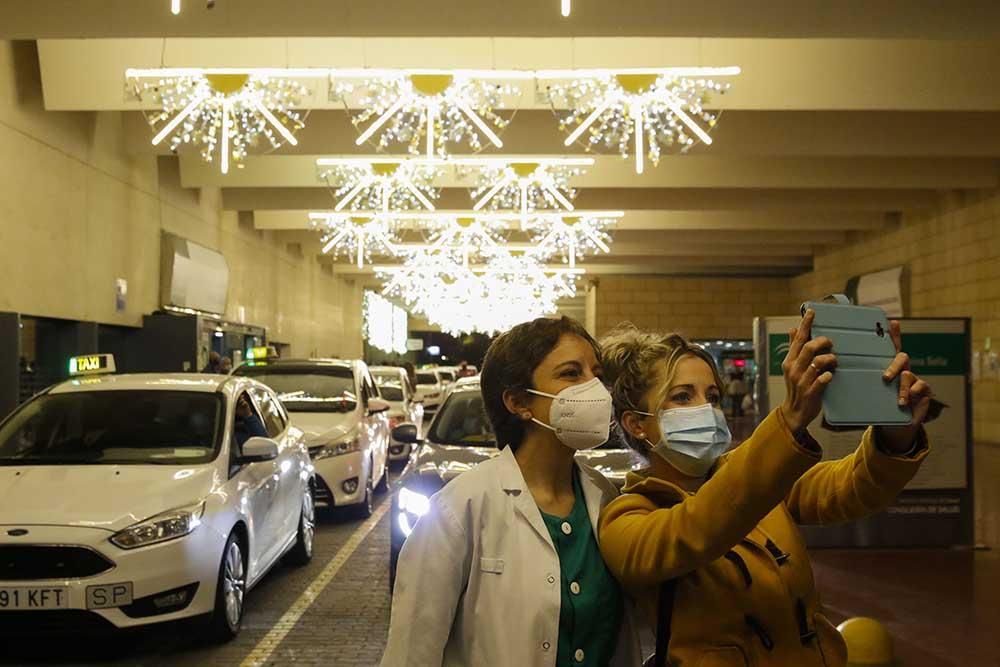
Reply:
x=346, y=424
x=404, y=407
x=128, y=500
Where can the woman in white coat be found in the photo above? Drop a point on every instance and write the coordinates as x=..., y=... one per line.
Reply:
x=505, y=569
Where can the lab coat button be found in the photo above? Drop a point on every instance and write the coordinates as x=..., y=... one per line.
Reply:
x=552, y=579
x=574, y=588
x=578, y=655
x=546, y=646
x=566, y=528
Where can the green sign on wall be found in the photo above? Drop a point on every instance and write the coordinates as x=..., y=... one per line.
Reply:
x=930, y=353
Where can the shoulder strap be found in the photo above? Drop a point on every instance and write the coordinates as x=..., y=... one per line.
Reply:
x=664, y=618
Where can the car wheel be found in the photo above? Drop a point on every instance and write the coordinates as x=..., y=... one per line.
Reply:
x=302, y=552
x=383, y=483
x=367, y=505
x=230, y=593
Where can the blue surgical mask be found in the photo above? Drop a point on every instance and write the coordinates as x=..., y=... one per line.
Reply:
x=692, y=439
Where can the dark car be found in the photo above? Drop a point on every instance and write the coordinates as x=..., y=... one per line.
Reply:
x=460, y=438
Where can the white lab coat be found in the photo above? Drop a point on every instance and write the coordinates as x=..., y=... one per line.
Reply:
x=478, y=582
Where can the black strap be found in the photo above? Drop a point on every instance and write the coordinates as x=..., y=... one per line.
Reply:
x=664, y=619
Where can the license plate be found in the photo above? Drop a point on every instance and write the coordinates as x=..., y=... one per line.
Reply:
x=109, y=596
x=34, y=597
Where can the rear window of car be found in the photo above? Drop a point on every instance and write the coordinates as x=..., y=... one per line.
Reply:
x=426, y=378
x=463, y=422
x=308, y=388
x=391, y=392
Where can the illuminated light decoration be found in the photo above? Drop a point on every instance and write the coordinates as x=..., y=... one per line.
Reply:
x=390, y=184
x=224, y=112
x=508, y=289
x=572, y=236
x=641, y=111
x=565, y=7
x=175, y=7
x=426, y=110
x=384, y=324
x=356, y=236
x=526, y=186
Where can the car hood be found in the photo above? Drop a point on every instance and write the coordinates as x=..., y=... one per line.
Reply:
x=322, y=428
x=110, y=497
x=448, y=461
x=612, y=463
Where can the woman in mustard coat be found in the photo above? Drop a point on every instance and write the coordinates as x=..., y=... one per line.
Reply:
x=722, y=527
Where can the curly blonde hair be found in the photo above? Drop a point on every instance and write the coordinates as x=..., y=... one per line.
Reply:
x=635, y=361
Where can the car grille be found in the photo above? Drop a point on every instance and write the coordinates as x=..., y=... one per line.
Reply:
x=28, y=562
x=323, y=496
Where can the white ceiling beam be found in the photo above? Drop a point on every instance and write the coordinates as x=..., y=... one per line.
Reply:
x=778, y=74
x=676, y=171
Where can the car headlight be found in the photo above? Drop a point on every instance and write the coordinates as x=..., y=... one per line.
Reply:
x=160, y=528
x=336, y=449
x=411, y=504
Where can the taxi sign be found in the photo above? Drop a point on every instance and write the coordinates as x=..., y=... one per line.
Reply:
x=261, y=353
x=92, y=364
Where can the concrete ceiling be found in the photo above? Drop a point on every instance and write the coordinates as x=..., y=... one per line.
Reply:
x=844, y=115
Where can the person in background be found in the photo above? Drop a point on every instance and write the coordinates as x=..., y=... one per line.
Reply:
x=504, y=569
x=214, y=360
x=226, y=366
x=736, y=390
x=464, y=371
x=248, y=424
x=707, y=540
x=411, y=372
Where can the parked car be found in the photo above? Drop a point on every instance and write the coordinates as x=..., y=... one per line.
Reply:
x=346, y=424
x=459, y=438
x=130, y=500
x=430, y=391
x=404, y=408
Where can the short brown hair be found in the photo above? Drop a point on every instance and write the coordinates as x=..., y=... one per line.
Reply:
x=631, y=358
x=509, y=364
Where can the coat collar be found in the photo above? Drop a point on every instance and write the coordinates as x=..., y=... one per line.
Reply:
x=513, y=484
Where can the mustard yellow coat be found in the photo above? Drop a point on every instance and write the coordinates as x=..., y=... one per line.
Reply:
x=745, y=593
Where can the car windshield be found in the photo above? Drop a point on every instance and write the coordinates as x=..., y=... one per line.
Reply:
x=426, y=378
x=390, y=391
x=463, y=422
x=309, y=389
x=114, y=427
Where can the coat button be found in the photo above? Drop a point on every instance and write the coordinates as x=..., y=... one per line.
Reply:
x=578, y=656
x=566, y=528
x=574, y=588
x=551, y=579
x=546, y=646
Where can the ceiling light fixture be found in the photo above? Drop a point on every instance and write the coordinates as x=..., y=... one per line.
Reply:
x=224, y=112
x=525, y=186
x=565, y=7
x=356, y=236
x=648, y=108
x=572, y=236
x=430, y=107
x=384, y=184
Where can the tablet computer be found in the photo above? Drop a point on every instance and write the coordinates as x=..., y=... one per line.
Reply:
x=858, y=396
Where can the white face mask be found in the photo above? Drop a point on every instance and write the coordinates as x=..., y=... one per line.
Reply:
x=692, y=439
x=580, y=414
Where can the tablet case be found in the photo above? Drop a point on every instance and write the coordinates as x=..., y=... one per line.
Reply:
x=858, y=396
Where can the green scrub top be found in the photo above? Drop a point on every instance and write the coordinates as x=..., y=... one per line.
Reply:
x=591, y=608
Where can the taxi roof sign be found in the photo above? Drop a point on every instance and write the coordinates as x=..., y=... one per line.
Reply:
x=91, y=364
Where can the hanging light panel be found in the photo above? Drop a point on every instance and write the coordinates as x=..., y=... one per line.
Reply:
x=639, y=112
x=525, y=186
x=389, y=184
x=225, y=113
x=358, y=237
x=427, y=110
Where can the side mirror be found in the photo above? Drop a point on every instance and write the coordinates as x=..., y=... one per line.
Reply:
x=377, y=405
x=258, y=449
x=405, y=433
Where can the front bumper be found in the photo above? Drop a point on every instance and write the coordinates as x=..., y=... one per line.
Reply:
x=336, y=471
x=190, y=561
